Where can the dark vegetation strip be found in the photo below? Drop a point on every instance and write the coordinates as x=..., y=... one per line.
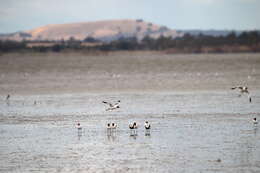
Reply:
x=244, y=42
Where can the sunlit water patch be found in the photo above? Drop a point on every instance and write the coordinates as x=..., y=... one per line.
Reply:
x=202, y=132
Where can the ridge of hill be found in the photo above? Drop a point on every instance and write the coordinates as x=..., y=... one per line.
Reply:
x=107, y=30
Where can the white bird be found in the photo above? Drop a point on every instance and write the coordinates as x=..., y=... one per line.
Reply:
x=243, y=90
x=112, y=106
x=147, y=125
x=78, y=126
x=133, y=126
x=114, y=126
x=108, y=126
x=255, y=121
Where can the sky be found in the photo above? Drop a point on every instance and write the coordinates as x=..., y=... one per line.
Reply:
x=19, y=15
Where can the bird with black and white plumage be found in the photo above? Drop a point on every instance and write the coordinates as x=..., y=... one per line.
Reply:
x=133, y=125
x=78, y=126
x=111, y=105
x=114, y=126
x=243, y=90
x=108, y=126
x=7, y=97
x=255, y=121
x=147, y=125
x=111, y=126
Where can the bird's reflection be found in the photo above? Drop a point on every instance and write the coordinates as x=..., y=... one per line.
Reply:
x=79, y=133
x=133, y=133
x=255, y=129
x=147, y=132
x=111, y=135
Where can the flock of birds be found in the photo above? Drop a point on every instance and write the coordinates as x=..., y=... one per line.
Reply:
x=147, y=125
x=113, y=126
x=111, y=129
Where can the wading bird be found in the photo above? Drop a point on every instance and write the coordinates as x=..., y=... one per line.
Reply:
x=108, y=126
x=243, y=90
x=7, y=97
x=114, y=125
x=78, y=126
x=255, y=121
x=147, y=125
x=133, y=126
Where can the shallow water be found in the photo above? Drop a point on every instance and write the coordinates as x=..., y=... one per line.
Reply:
x=191, y=132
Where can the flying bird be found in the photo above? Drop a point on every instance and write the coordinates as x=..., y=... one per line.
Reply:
x=243, y=90
x=111, y=105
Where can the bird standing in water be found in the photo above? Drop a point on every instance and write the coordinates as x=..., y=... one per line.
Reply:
x=133, y=126
x=7, y=97
x=114, y=126
x=255, y=121
x=78, y=126
x=147, y=125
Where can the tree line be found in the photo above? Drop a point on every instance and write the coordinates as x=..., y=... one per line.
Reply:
x=244, y=42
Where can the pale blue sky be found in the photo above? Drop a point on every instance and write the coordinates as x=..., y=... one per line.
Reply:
x=17, y=15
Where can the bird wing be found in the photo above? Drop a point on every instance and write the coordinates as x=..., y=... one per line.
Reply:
x=233, y=88
x=240, y=87
x=110, y=104
x=115, y=105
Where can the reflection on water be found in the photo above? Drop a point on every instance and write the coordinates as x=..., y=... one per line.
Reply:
x=147, y=132
x=133, y=133
x=111, y=136
x=255, y=129
x=188, y=141
x=177, y=143
x=79, y=133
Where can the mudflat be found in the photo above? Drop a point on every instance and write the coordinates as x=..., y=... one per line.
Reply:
x=198, y=124
x=125, y=72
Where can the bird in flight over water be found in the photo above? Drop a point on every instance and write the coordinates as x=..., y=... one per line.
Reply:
x=243, y=90
x=111, y=105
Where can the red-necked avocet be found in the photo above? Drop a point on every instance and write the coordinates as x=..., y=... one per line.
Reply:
x=114, y=125
x=109, y=126
x=78, y=126
x=255, y=121
x=133, y=126
x=112, y=106
x=147, y=125
x=243, y=90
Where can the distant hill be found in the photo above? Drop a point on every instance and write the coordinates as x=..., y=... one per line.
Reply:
x=101, y=30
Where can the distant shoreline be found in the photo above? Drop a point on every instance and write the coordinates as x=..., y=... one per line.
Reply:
x=231, y=43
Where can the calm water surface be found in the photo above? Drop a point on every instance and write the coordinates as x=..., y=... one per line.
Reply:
x=202, y=132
